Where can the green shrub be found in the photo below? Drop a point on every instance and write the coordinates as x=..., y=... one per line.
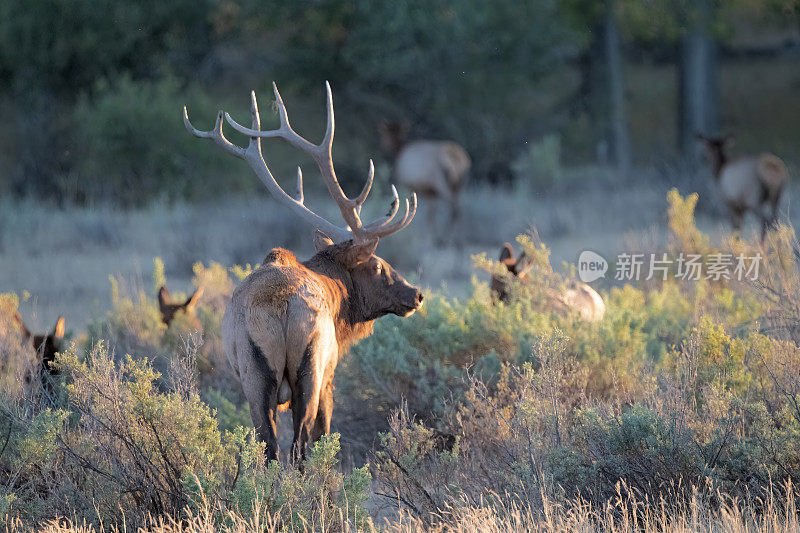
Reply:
x=540, y=164
x=18, y=362
x=124, y=449
x=139, y=123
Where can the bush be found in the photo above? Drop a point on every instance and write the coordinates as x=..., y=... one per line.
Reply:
x=139, y=123
x=122, y=449
x=18, y=361
x=539, y=166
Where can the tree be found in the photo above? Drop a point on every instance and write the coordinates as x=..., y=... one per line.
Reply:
x=466, y=70
x=698, y=91
x=603, y=85
x=52, y=51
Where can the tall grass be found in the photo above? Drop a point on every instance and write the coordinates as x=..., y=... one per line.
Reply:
x=776, y=514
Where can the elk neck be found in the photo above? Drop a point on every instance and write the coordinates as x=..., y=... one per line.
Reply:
x=349, y=319
x=720, y=160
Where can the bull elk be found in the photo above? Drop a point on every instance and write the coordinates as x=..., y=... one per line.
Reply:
x=46, y=345
x=575, y=298
x=289, y=322
x=433, y=169
x=169, y=308
x=750, y=183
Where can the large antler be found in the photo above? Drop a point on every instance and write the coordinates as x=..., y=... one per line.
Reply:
x=323, y=156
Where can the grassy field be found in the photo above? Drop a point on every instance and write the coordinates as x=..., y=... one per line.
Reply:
x=62, y=258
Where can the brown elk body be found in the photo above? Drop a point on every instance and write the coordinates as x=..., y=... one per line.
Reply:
x=289, y=322
x=751, y=183
x=46, y=346
x=168, y=308
x=575, y=298
x=433, y=169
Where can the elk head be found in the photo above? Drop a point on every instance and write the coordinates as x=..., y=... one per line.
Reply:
x=518, y=267
x=169, y=308
x=46, y=344
x=393, y=136
x=717, y=150
x=379, y=289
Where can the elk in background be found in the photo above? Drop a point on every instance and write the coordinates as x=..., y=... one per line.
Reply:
x=46, y=346
x=749, y=183
x=169, y=308
x=289, y=322
x=432, y=169
x=575, y=297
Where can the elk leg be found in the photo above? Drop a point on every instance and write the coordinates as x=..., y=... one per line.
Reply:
x=771, y=221
x=737, y=216
x=305, y=401
x=322, y=426
x=261, y=389
x=263, y=410
x=430, y=213
x=455, y=210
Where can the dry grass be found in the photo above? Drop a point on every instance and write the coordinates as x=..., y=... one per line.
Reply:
x=620, y=515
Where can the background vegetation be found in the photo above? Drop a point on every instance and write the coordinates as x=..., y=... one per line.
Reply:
x=92, y=90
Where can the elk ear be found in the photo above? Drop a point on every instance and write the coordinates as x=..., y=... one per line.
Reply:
x=163, y=297
x=194, y=298
x=506, y=252
x=60, y=329
x=18, y=319
x=358, y=253
x=321, y=241
x=524, y=264
x=507, y=256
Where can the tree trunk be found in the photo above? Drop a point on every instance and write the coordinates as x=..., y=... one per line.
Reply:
x=603, y=87
x=698, y=103
x=617, y=124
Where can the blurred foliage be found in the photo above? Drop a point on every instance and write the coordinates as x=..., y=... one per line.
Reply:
x=93, y=89
x=55, y=46
x=539, y=166
x=431, y=61
x=139, y=123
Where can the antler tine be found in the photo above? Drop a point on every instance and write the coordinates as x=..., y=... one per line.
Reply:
x=299, y=185
x=399, y=224
x=216, y=134
x=327, y=142
x=362, y=196
x=284, y=116
x=382, y=221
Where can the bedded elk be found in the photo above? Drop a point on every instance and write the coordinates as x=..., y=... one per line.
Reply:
x=433, y=169
x=750, y=183
x=575, y=297
x=46, y=346
x=170, y=308
x=289, y=322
